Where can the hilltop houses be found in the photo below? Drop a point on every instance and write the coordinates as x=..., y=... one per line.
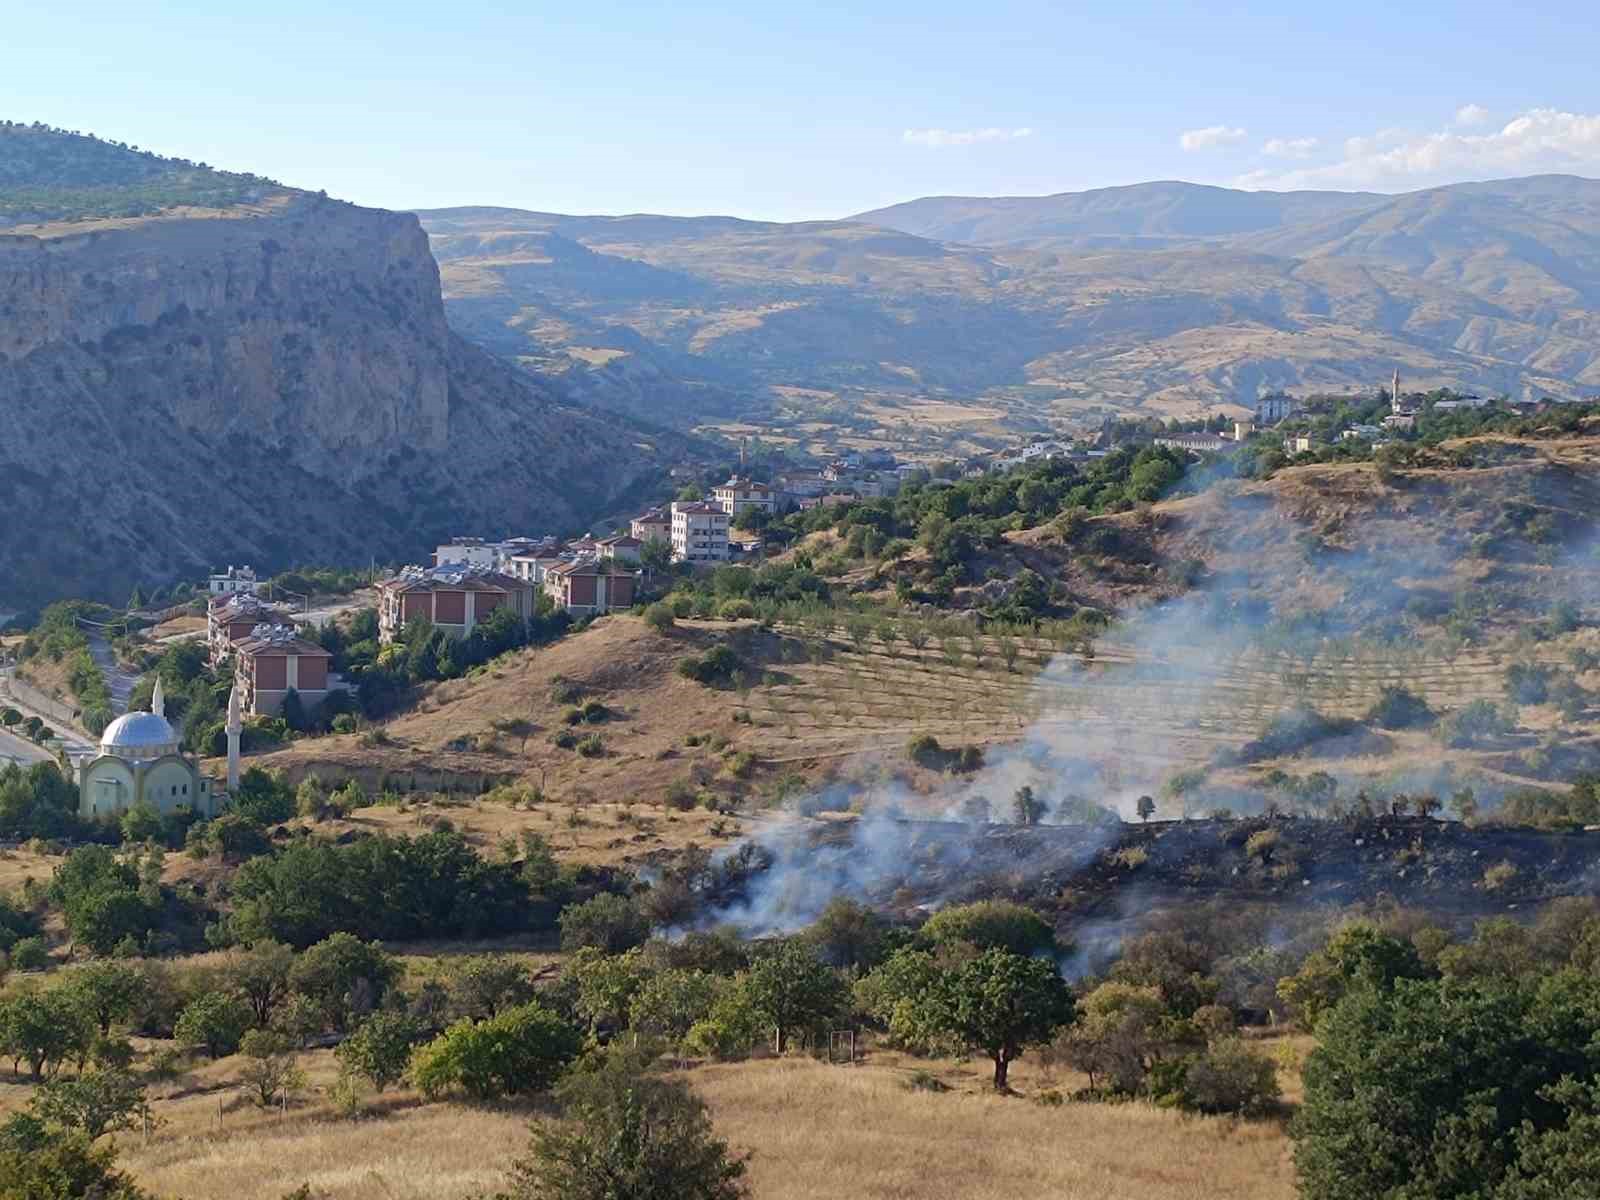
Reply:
x=742, y=494
x=274, y=660
x=699, y=532
x=233, y=581
x=231, y=617
x=455, y=597
x=588, y=587
x=652, y=523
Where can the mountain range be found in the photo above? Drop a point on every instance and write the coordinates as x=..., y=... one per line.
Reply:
x=1158, y=298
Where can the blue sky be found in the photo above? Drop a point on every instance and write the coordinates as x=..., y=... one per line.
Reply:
x=815, y=110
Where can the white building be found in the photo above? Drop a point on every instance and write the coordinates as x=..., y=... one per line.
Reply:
x=1272, y=409
x=492, y=556
x=233, y=581
x=1366, y=433
x=740, y=494
x=699, y=532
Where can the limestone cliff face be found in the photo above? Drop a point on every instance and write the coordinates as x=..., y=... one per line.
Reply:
x=275, y=385
x=313, y=326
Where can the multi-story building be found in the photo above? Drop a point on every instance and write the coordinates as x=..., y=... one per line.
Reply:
x=454, y=597
x=740, y=494
x=652, y=523
x=590, y=587
x=230, y=618
x=699, y=532
x=234, y=580
x=621, y=548
x=492, y=556
x=274, y=660
x=1274, y=408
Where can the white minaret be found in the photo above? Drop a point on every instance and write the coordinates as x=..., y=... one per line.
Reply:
x=234, y=728
x=1394, y=392
x=158, y=702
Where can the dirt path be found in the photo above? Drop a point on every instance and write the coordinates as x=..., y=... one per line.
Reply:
x=119, y=682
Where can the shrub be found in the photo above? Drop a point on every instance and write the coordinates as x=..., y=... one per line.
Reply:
x=521, y=1050
x=214, y=1022
x=1498, y=876
x=1399, y=708
x=608, y=922
x=593, y=746
x=1478, y=722
x=1229, y=1077
x=1261, y=844
x=380, y=1048
x=660, y=617
x=29, y=954
x=716, y=667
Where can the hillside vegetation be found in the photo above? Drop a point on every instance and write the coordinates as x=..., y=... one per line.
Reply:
x=49, y=174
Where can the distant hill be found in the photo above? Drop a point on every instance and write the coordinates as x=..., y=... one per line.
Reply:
x=1162, y=212
x=269, y=382
x=1160, y=298
x=49, y=174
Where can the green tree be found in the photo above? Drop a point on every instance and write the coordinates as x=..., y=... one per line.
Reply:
x=627, y=1134
x=43, y=1029
x=1146, y=807
x=674, y=1001
x=64, y=1168
x=1027, y=807
x=141, y=823
x=484, y=984
x=989, y=924
x=1001, y=1003
x=607, y=922
x=269, y=1070
x=96, y=1102
x=849, y=934
x=791, y=988
x=108, y=992
x=520, y=1051
x=345, y=976
x=380, y=1048
x=260, y=974
x=213, y=1022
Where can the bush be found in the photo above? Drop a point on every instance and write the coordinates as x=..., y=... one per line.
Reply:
x=29, y=954
x=1229, y=1077
x=714, y=668
x=214, y=1022
x=1400, y=708
x=1476, y=723
x=660, y=617
x=520, y=1051
x=608, y=922
x=593, y=746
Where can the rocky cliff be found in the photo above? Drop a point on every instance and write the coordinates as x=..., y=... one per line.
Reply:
x=273, y=383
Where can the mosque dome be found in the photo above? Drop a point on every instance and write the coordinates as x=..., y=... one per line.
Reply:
x=139, y=735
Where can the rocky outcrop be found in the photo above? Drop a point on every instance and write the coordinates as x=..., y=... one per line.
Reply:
x=274, y=384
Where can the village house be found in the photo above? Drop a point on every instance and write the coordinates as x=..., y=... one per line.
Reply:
x=274, y=660
x=1195, y=443
x=621, y=548
x=1272, y=409
x=492, y=556
x=1400, y=421
x=1299, y=443
x=652, y=523
x=795, y=485
x=741, y=494
x=590, y=587
x=1366, y=433
x=231, y=617
x=233, y=581
x=453, y=597
x=699, y=532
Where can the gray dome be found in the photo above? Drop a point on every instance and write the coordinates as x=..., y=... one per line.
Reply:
x=139, y=735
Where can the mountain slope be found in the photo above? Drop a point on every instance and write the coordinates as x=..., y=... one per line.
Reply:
x=1145, y=298
x=270, y=382
x=1150, y=212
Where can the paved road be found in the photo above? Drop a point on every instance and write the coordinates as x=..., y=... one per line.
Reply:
x=77, y=741
x=14, y=749
x=118, y=680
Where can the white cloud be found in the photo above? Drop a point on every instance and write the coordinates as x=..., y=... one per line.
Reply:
x=1210, y=138
x=1541, y=140
x=1291, y=147
x=938, y=138
x=1471, y=114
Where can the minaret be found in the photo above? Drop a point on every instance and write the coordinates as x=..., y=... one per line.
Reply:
x=1394, y=392
x=158, y=702
x=234, y=728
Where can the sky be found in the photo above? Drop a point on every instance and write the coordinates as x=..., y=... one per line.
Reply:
x=816, y=110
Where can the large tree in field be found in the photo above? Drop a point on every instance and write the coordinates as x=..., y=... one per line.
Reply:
x=1001, y=1003
x=791, y=988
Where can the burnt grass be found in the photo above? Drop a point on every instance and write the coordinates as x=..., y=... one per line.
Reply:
x=1074, y=872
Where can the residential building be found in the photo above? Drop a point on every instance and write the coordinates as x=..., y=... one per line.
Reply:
x=1195, y=443
x=741, y=493
x=795, y=485
x=1400, y=421
x=454, y=597
x=491, y=556
x=234, y=580
x=1274, y=408
x=231, y=617
x=652, y=523
x=1242, y=430
x=1365, y=433
x=1462, y=402
x=699, y=532
x=590, y=586
x=621, y=548
x=1298, y=443
x=274, y=660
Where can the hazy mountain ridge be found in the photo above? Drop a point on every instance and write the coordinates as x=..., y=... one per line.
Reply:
x=1171, y=295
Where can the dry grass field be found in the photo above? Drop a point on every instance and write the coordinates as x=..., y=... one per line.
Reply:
x=811, y=1130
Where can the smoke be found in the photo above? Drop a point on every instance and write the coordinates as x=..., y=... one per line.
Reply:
x=1314, y=601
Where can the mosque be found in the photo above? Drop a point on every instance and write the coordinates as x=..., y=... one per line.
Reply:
x=141, y=761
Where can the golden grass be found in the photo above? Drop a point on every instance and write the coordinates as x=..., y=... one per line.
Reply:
x=813, y=1131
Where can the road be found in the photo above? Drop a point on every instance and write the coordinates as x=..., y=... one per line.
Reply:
x=14, y=749
x=119, y=682
x=77, y=741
